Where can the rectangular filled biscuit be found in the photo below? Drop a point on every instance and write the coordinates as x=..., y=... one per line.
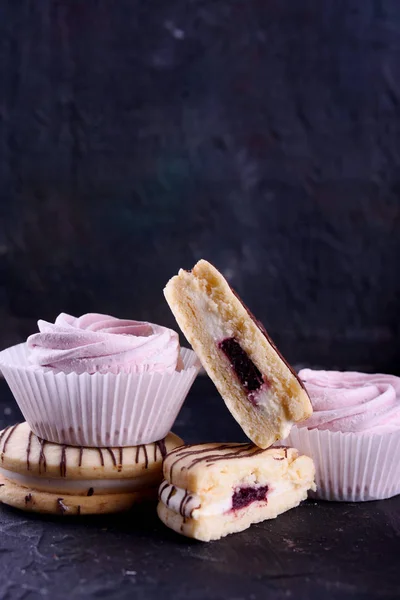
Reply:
x=259, y=387
x=212, y=490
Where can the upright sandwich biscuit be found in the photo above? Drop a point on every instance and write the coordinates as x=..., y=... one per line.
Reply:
x=260, y=389
x=211, y=490
x=39, y=476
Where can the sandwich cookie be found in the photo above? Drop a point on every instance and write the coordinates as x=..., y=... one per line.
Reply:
x=40, y=476
x=212, y=490
x=261, y=390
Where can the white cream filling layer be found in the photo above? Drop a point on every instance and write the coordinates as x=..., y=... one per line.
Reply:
x=263, y=396
x=189, y=505
x=217, y=328
x=99, y=486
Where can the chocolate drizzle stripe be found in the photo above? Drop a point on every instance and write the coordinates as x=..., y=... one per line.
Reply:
x=3, y=433
x=28, y=451
x=182, y=447
x=80, y=456
x=285, y=451
x=78, y=510
x=101, y=457
x=7, y=439
x=185, y=501
x=42, y=456
x=146, y=457
x=121, y=456
x=162, y=488
x=28, y=498
x=111, y=453
x=185, y=451
x=182, y=504
x=193, y=509
x=171, y=493
x=63, y=462
x=195, y=448
x=213, y=458
x=162, y=448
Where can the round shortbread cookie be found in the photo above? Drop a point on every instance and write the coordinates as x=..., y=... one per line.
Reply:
x=44, y=477
x=32, y=500
x=21, y=451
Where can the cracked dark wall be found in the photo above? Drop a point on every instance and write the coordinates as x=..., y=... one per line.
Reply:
x=137, y=137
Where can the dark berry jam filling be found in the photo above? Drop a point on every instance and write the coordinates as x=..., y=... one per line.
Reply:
x=247, y=372
x=247, y=495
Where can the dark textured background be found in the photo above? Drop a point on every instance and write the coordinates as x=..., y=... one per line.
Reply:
x=137, y=137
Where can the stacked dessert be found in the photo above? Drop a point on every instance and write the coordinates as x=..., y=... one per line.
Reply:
x=211, y=490
x=99, y=396
x=40, y=476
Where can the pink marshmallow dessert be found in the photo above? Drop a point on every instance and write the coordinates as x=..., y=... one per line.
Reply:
x=100, y=381
x=353, y=435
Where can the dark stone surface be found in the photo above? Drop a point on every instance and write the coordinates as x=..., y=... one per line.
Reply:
x=137, y=137
x=319, y=551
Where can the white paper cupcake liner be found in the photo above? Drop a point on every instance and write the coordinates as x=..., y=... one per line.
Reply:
x=124, y=409
x=351, y=467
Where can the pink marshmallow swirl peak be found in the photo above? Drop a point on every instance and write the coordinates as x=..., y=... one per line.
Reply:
x=352, y=402
x=95, y=343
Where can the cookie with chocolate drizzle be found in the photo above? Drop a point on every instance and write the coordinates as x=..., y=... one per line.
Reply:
x=212, y=490
x=259, y=387
x=39, y=476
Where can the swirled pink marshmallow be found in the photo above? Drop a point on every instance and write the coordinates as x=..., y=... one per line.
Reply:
x=96, y=343
x=352, y=402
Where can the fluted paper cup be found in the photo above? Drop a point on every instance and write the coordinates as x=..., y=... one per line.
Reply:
x=351, y=467
x=124, y=409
